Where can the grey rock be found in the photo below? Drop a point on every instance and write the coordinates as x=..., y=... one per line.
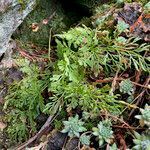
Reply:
x=12, y=14
x=56, y=141
x=72, y=144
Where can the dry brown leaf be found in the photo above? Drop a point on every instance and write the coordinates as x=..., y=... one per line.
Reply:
x=2, y=126
x=35, y=27
x=41, y=146
x=1, y=100
x=45, y=21
x=141, y=121
x=87, y=148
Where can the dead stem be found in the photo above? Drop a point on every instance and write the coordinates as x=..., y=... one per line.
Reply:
x=39, y=134
x=139, y=98
x=124, y=127
x=114, y=83
x=120, y=79
x=116, y=118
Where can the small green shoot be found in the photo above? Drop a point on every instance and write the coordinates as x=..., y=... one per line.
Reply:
x=145, y=116
x=73, y=126
x=142, y=142
x=126, y=87
x=103, y=132
x=85, y=140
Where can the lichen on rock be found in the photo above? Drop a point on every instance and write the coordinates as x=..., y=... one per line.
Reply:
x=12, y=15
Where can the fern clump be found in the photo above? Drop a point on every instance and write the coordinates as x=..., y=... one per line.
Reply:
x=24, y=102
x=79, y=54
x=88, y=97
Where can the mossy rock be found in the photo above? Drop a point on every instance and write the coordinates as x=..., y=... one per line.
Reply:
x=43, y=10
x=66, y=14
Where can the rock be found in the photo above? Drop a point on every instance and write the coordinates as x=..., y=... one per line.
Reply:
x=7, y=77
x=6, y=60
x=12, y=14
x=56, y=141
x=35, y=29
x=72, y=144
x=15, y=74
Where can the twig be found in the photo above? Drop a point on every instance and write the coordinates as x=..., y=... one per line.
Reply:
x=104, y=80
x=49, y=48
x=122, y=143
x=137, y=79
x=140, y=96
x=124, y=127
x=31, y=57
x=132, y=104
x=118, y=119
x=39, y=134
x=140, y=85
x=48, y=19
x=127, y=104
x=114, y=83
x=63, y=148
x=137, y=76
x=119, y=79
x=41, y=146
